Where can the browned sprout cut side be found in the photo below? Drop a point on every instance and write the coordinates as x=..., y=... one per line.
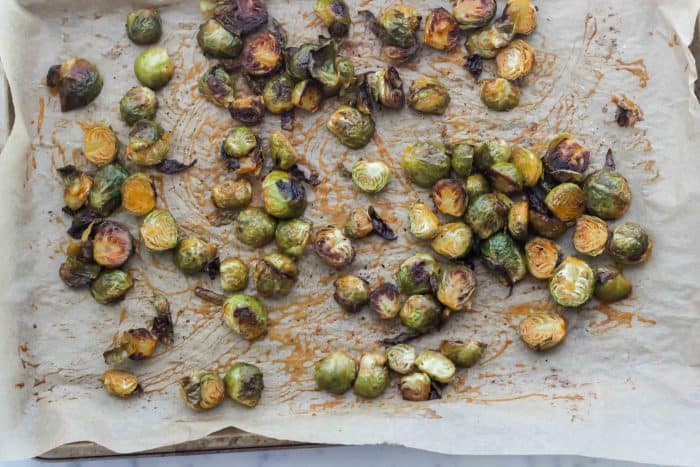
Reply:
x=500, y=94
x=262, y=54
x=120, y=383
x=591, y=235
x=572, y=283
x=566, y=201
x=516, y=60
x=456, y=287
x=542, y=330
x=450, y=197
x=78, y=83
x=385, y=301
x=543, y=256
x=441, y=30
x=565, y=159
x=333, y=247
x=471, y=14
x=202, y=390
x=522, y=14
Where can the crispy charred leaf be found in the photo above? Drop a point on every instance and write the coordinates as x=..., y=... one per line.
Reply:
x=381, y=228
x=255, y=83
x=536, y=200
x=162, y=326
x=436, y=390
x=70, y=278
x=312, y=178
x=627, y=113
x=171, y=166
x=609, y=160
x=364, y=101
x=241, y=16
x=81, y=221
x=210, y=296
x=248, y=110
x=287, y=120
x=371, y=21
x=279, y=33
x=401, y=338
x=474, y=64
x=212, y=268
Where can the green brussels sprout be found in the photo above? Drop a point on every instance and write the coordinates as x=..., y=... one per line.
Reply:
x=542, y=330
x=401, y=358
x=573, y=283
x=232, y=194
x=398, y=26
x=154, y=68
x=335, y=373
x=420, y=313
x=111, y=286
x=415, y=387
x=462, y=158
x=139, y=103
x=282, y=151
x=244, y=383
x=522, y=14
x=193, y=254
x=148, y=143
x=385, y=301
x=78, y=83
x=323, y=67
x=159, y=231
x=386, y=88
x=436, y=365
x=292, y=236
x=333, y=247
x=351, y=292
x=611, y=285
x=143, y=26
x=106, y=193
x=262, y=54
x=359, y=224
x=423, y=223
x=486, y=42
x=138, y=194
x=529, y=165
x=284, y=196
x=505, y=178
x=543, y=256
x=516, y=60
x=566, y=201
x=216, y=42
x=370, y=176
x=112, y=244
x=77, y=186
x=453, y=240
x=233, y=274
x=590, y=236
x=500, y=94
x=120, y=383
x=491, y=152
x=463, y=354
x=456, y=287
x=241, y=151
x=486, y=215
x=450, y=197
x=372, y=376
x=416, y=273
x=335, y=15
x=518, y=219
x=277, y=94
x=504, y=256
x=299, y=60
x=630, y=243
x=254, y=227
x=472, y=14
x=308, y=95
x=79, y=269
x=275, y=275
x=245, y=315
x=441, y=30
x=428, y=95
x=425, y=163
x=248, y=110
x=352, y=128
x=607, y=192
x=565, y=159
x=202, y=390
x=217, y=86
x=476, y=186
x=100, y=144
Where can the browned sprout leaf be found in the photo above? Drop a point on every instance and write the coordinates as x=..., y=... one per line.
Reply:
x=171, y=166
x=628, y=113
x=162, y=326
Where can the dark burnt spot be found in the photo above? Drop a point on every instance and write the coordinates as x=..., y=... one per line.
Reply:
x=610, y=160
x=245, y=316
x=53, y=76
x=291, y=190
x=287, y=119
x=212, y=268
x=402, y=338
x=171, y=166
x=241, y=17
x=81, y=221
x=474, y=65
x=436, y=390
x=380, y=227
x=419, y=273
x=162, y=328
x=218, y=87
x=297, y=172
x=252, y=386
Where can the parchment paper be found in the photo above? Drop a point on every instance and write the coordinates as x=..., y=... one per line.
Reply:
x=625, y=384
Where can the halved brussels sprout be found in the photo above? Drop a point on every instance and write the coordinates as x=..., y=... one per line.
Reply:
x=308, y=95
x=472, y=14
x=153, y=68
x=335, y=373
x=572, y=283
x=202, y=390
x=541, y=219
x=248, y=110
x=217, y=86
x=244, y=383
x=233, y=274
x=159, y=231
x=486, y=42
x=292, y=236
x=542, y=330
x=500, y=94
x=232, y=194
x=416, y=273
x=359, y=224
x=398, y=26
x=415, y=387
x=333, y=247
x=79, y=269
x=254, y=227
x=441, y=30
x=241, y=16
x=370, y=176
x=136, y=344
x=106, y=192
x=148, y=143
x=529, y=165
x=386, y=87
x=456, y=287
x=423, y=223
x=284, y=196
x=346, y=71
x=505, y=177
x=216, y=42
x=425, y=163
x=450, y=197
x=385, y=301
x=401, y=358
x=565, y=159
x=630, y=243
x=78, y=83
x=282, y=151
x=490, y=152
x=399, y=55
x=504, y=256
x=420, y=313
x=453, y=240
x=352, y=128
x=566, y=201
x=193, y=254
x=476, y=186
x=275, y=275
x=518, y=219
x=112, y=244
x=323, y=67
x=298, y=61
x=77, y=186
x=372, y=376
x=591, y=235
x=543, y=256
x=245, y=315
x=277, y=94
x=607, y=192
x=611, y=285
x=463, y=354
x=428, y=95
x=522, y=14
x=241, y=151
x=462, y=158
x=100, y=144
x=351, y=292
x=335, y=15
x=516, y=60
x=138, y=194
x=111, y=286
x=262, y=54
x=139, y=103
x=436, y=365
x=143, y=26
x=120, y=383
x=487, y=215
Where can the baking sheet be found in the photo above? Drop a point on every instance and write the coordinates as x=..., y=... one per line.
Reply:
x=625, y=384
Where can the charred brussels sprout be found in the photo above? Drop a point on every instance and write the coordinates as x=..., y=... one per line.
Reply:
x=543, y=257
x=308, y=95
x=370, y=176
x=372, y=376
x=193, y=254
x=500, y=94
x=139, y=103
x=420, y=313
x=450, y=197
x=335, y=15
x=233, y=274
x=323, y=67
x=78, y=83
x=120, y=383
x=359, y=224
x=398, y=26
x=516, y=60
x=282, y=151
x=335, y=373
x=136, y=344
x=518, y=219
x=352, y=128
x=476, y=186
x=217, y=86
x=425, y=163
x=232, y=194
x=415, y=387
x=112, y=244
x=542, y=221
x=241, y=151
x=159, y=231
x=462, y=158
x=472, y=14
x=591, y=235
x=441, y=30
x=284, y=196
x=79, y=269
x=487, y=215
x=106, y=192
x=275, y=275
x=262, y=54
x=486, y=42
x=202, y=390
x=385, y=301
x=456, y=287
x=254, y=227
x=111, y=286
x=216, y=42
x=401, y=358
x=543, y=330
x=248, y=110
x=277, y=94
x=572, y=283
x=241, y=16
x=154, y=68
x=453, y=240
x=611, y=285
x=436, y=365
x=138, y=194
x=292, y=236
x=630, y=243
x=148, y=143
x=245, y=315
x=386, y=88
x=77, y=186
x=607, y=192
x=244, y=383
x=351, y=292
x=299, y=60
x=504, y=256
x=565, y=159
x=505, y=178
x=566, y=201
x=144, y=26
x=100, y=144
x=522, y=14
x=463, y=354
x=333, y=247
x=423, y=223
x=529, y=165
x=428, y=95
x=416, y=273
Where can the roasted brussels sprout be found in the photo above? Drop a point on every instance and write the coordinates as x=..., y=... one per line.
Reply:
x=370, y=176
x=298, y=61
x=462, y=158
x=112, y=244
x=543, y=256
x=241, y=16
x=566, y=201
x=333, y=247
x=120, y=383
x=111, y=286
x=505, y=178
x=385, y=301
x=518, y=219
x=453, y=240
x=401, y=358
x=244, y=383
x=450, y=197
x=351, y=292
x=425, y=163
x=139, y=103
x=441, y=30
x=335, y=373
x=148, y=143
x=248, y=110
x=398, y=55
x=79, y=269
x=472, y=14
x=202, y=390
x=607, y=192
x=486, y=42
x=359, y=224
x=193, y=254
x=436, y=365
x=415, y=387
x=476, y=186
x=241, y=151
x=522, y=14
x=487, y=215
x=463, y=354
x=254, y=227
x=515, y=61
x=233, y=274
x=372, y=376
x=398, y=26
x=106, y=192
x=420, y=313
x=78, y=83
x=143, y=26
x=154, y=68
x=630, y=243
x=500, y=94
x=541, y=219
x=216, y=42
x=504, y=256
x=611, y=285
x=416, y=273
x=282, y=151
x=565, y=159
x=572, y=283
x=136, y=344
x=423, y=223
x=542, y=330
x=159, y=232
x=352, y=128
x=335, y=15
x=217, y=86
x=323, y=67
x=138, y=194
x=529, y=165
x=591, y=235
x=428, y=95
x=456, y=287
x=284, y=196
x=308, y=95
x=275, y=275
x=277, y=94
x=262, y=54
x=292, y=236
x=386, y=88
x=100, y=144
x=232, y=194
x=346, y=72
x=77, y=186
x=490, y=152
x=245, y=315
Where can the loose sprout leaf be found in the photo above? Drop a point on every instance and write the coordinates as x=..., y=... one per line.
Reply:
x=381, y=228
x=171, y=166
x=401, y=338
x=81, y=221
x=210, y=296
x=212, y=268
x=436, y=390
x=298, y=173
x=474, y=64
x=371, y=20
x=162, y=326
